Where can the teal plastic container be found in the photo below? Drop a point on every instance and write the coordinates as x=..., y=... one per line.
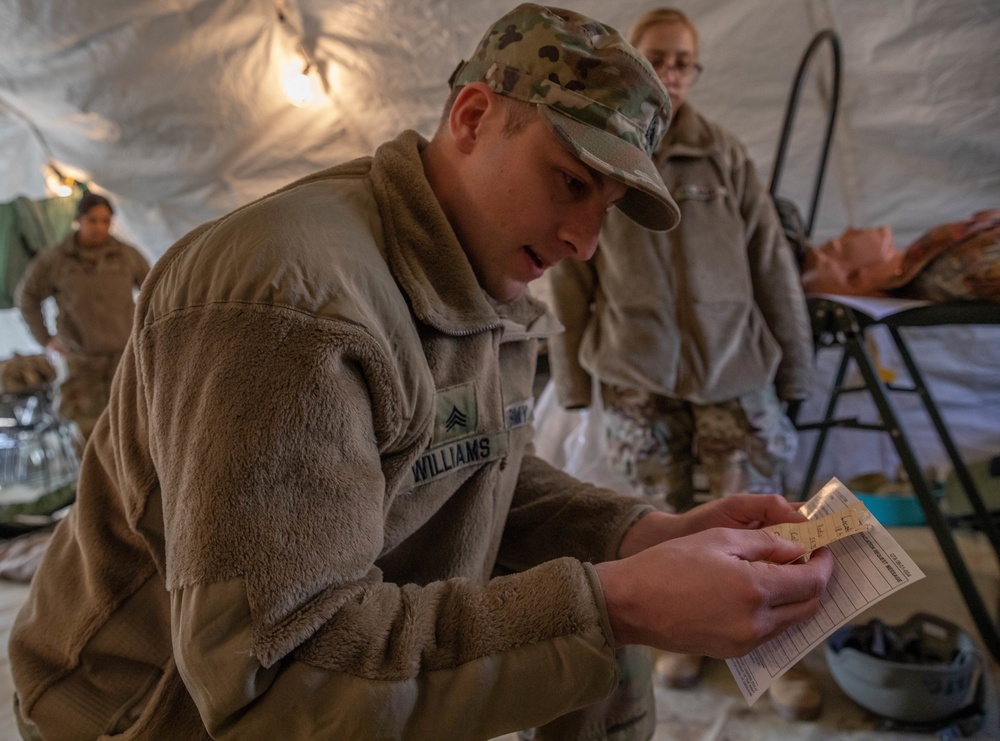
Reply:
x=896, y=510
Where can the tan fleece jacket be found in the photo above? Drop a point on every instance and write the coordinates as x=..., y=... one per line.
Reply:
x=93, y=291
x=317, y=454
x=707, y=312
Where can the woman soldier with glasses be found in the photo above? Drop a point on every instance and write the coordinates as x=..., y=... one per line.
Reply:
x=697, y=336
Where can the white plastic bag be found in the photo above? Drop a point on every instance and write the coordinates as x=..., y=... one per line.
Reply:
x=573, y=440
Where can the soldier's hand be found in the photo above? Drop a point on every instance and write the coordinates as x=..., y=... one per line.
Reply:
x=741, y=511
x=720, y=592
x=56, y=345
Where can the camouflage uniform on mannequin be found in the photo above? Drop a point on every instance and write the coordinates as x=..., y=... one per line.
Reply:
x=92, y=277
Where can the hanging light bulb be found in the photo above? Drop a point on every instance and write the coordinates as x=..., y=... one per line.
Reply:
x=301, y=78
x=57, y=183
x=301, y=82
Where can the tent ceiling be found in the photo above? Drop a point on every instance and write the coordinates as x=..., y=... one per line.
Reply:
x=176, y=108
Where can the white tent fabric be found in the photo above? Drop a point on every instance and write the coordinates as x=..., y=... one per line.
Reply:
x=175, y=108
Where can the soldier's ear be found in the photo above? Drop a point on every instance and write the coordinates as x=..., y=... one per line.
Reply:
x=475, y=107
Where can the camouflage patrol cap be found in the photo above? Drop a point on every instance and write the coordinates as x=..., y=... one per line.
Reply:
x=597, y=94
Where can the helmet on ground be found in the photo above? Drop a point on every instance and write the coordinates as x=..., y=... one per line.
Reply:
x=921, y=671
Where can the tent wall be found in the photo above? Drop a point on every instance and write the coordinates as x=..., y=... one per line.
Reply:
x=175, y=108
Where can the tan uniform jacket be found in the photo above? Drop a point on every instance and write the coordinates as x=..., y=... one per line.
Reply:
x=317, y=454
x=707, y=312
x=93, y=289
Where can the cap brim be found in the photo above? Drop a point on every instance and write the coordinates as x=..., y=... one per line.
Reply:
x=648, y=201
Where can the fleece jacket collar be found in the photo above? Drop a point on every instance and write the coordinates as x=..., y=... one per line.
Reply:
x=70, y=246
x=423, y=250
x=688, y=136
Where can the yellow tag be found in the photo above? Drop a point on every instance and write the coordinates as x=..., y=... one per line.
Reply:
x=816, y=533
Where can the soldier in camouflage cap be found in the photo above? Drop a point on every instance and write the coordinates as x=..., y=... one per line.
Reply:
x=322, y=524
x=593, y=90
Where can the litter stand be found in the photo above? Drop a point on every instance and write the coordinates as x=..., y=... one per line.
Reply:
x=836, y=324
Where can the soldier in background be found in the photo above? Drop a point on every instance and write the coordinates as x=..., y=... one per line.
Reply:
x=92, y=276
x=697, y=336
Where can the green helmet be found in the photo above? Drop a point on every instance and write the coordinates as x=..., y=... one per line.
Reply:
x=597, y=94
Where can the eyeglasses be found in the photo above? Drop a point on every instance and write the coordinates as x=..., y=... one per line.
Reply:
x=685, y=69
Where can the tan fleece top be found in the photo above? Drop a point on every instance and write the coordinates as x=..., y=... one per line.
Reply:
x=707, y=312
x=316, y=460
x=93, y=289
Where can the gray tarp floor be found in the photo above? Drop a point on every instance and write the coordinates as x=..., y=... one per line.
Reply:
x=715, y=710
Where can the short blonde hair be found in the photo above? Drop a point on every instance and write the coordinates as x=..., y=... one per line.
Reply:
x=656, y=17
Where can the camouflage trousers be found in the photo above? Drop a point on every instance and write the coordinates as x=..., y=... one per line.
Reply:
x=627, y=714
x=85, y=392
x=670, y=448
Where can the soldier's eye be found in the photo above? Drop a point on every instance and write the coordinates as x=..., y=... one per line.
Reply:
x=573, y=184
